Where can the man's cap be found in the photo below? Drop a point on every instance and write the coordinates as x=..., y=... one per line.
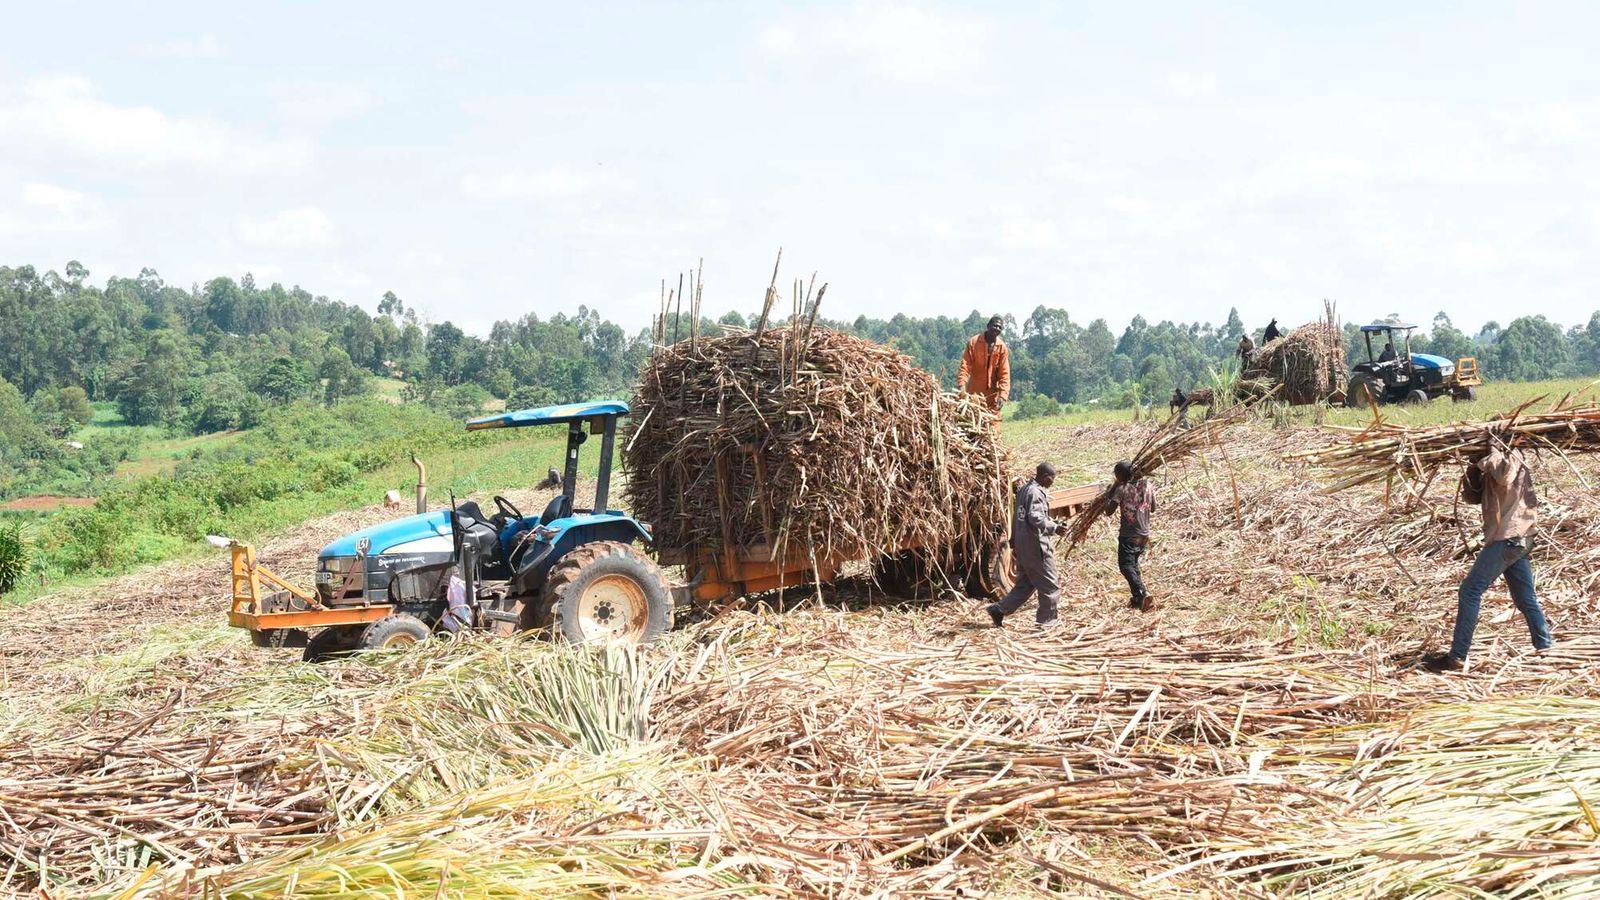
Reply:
x=1045, y=469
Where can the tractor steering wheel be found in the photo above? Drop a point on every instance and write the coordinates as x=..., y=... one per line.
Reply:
x=507, y=508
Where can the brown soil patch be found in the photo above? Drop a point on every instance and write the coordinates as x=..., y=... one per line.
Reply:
x=45, y=502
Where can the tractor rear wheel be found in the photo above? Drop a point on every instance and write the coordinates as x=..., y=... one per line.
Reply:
x=394, y=632
x=608, y=590
x=1417, y=397
x=1356, y=395
x=332, y=643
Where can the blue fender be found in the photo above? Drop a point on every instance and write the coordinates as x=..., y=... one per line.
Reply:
x=561, y=536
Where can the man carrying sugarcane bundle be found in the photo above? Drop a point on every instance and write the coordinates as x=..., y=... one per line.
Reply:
x=1136, y=498
x=1031, y=547
x=1502, y=483
x=986, y=367
x=1246, y=351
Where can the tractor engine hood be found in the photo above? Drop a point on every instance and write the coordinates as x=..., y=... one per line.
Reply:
x=1429, y=361
x=424, y=533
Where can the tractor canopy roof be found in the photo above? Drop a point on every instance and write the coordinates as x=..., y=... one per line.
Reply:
x=1387, y=325
x=551, y=415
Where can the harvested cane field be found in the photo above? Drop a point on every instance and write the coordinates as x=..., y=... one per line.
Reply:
x=1264, y=732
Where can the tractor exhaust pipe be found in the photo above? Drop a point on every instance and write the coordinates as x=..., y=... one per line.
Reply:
x=422, y=483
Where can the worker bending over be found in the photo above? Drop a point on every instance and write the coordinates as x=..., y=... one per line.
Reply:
x=986, y=366
x=1031, y=530
x=1136, y=498
x=1503, y=483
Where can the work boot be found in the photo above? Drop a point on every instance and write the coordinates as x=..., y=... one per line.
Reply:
x=1145, y=603
x=1442, y=663
x=995, y=616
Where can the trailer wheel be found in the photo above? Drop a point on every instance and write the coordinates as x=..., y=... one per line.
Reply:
x=393, y=632
x=608, y=591
x=1002, y=571
x=332, y=642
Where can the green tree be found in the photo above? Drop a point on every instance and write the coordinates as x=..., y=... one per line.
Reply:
x=1531, y=348
x=284, y=381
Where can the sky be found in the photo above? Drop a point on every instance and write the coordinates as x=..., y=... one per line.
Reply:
x=488, y=160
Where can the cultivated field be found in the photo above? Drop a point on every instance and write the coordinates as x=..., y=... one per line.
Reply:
x=1263, y=732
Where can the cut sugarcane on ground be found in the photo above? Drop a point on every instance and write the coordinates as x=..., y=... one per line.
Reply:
x=1264, y=734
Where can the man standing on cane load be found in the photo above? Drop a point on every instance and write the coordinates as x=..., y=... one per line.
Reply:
x=1031, y=530
x=986, y=366
x=1503, y=484
x=1136, y=497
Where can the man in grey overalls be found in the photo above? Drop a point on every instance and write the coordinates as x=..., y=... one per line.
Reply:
x=1031, y=530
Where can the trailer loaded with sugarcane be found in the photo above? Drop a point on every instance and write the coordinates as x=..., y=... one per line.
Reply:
x=759, y=460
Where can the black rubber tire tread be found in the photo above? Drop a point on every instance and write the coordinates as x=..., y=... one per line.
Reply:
x=1001, y=578
x=1417, y=397
x=389, y=626
x=568, y=577
x=1355, y=397
x=332, y=643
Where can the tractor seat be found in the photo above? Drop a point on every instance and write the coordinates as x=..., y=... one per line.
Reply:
x=478, y=530
x=559, y=508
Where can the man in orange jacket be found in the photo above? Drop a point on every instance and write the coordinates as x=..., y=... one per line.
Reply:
x=986, y=366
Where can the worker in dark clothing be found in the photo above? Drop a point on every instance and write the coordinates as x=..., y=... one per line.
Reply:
x=1388, y=352
x=1503, y=483
x=1031, y=530
x=1136, y=498
x=1272, y=333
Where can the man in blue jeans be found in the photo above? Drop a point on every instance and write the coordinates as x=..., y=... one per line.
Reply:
x=1503, y=483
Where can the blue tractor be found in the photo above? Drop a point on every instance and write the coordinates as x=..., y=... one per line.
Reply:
x=575, y=571
x=1393, y=374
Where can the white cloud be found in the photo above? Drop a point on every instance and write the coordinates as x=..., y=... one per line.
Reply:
x=556, y=183
x=1189, y=85
x=321, y=103
x=1028, y=234
x=905, y=42
x=205, y=46
x=66, y=115
x=304, y=227
x=49, y=208
x=1128, y=206
x=1475, y=255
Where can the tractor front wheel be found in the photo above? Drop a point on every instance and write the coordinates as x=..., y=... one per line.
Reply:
x=394, y=632
x=1417, y=397
x=608, y=591
x=332, y=642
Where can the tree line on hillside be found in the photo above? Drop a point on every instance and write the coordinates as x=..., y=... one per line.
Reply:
x=215, y=356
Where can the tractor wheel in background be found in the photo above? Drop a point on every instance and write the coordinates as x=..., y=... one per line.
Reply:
x=1417, y=397
x=394, y=632
x=608, y=591
x=332, y=643
x=1355, y=395
x=1464, y=395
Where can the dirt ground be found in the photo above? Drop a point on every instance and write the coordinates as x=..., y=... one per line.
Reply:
x=45, y=503
x=1117, y=748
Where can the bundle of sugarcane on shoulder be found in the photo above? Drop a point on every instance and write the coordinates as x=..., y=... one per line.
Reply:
x=1497, y=461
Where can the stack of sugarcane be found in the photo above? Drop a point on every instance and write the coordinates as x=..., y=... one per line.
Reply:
x=808, y=442
x=1169, y=443
x=1385, y=451
x=1305, y=366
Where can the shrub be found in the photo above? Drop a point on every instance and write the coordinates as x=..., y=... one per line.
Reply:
x=13, y=556
x=1037, y=406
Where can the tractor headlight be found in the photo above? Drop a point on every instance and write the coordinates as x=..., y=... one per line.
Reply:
x=1447, y=371
x=333, y=572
